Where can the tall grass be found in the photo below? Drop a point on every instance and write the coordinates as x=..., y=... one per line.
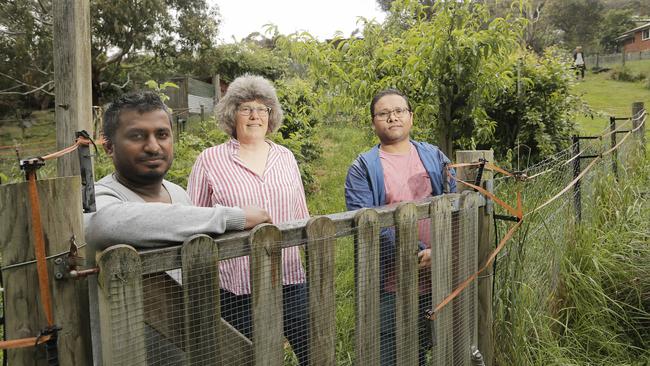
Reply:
x=593, y=306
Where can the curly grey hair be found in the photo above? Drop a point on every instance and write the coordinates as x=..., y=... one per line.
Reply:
x=247, y=88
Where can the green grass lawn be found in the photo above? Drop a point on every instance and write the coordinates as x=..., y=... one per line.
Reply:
x=609, y=97
x=341, y=145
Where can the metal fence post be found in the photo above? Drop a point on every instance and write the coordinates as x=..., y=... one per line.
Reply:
x=612, y=128
x=577, y=204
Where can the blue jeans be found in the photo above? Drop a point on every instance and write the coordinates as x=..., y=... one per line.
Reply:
x=236, y=310
x=387, y=328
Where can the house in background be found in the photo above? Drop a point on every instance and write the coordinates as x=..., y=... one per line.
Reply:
x=635, y=40
x=193, y=93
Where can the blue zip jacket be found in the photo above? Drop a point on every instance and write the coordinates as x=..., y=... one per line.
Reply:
x=364, y=187
x=364, y=184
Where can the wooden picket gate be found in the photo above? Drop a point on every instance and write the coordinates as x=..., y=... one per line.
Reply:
x=126, y=309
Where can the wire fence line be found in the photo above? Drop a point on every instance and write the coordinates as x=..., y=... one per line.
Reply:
x=598, y=60
x=528, y=282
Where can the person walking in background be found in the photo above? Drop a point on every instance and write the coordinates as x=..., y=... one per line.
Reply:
x=247, y=170
x=579, y=62
x=398, y=169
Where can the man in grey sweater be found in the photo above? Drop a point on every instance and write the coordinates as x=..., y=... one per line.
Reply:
x=135, y=204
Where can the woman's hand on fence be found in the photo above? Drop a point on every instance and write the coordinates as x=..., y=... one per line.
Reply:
x=424, y=258
x=255, y=216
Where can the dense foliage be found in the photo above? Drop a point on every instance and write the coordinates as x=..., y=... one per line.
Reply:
x=127, y=37
x=536, y=110
x=470, y=84
x=450, y=67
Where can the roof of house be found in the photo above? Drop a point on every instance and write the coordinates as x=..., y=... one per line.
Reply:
x=631, y=32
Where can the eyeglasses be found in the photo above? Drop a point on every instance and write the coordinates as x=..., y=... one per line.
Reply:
x=245, y=110
x=399, y=113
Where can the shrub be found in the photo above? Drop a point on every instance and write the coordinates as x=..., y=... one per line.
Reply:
x=536, y=112
x=625, y=74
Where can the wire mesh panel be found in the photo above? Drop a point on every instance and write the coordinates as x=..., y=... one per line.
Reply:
x=371, y=278
x=561, y=193
x=120, y=307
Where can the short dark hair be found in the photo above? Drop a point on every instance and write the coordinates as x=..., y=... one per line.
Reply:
x=384, y=93
x=142, y=102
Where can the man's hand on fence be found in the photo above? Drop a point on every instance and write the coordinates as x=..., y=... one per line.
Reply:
x=424, y=257
x=255, y=216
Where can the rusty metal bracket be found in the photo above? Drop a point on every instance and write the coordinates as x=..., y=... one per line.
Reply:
x=67, y=266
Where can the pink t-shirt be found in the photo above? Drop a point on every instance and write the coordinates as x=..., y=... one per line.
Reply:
x=406, y=179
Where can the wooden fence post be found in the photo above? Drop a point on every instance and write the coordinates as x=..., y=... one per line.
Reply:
x=61, y=218
x=485, y=342
x=406, y=295
x=441, y=279
x=469, y=226
x=266, y=286
x=72, y=76
x=200, y=258
x=367, y=283
x=120, y=306
x=320, y=279
x=637, y=110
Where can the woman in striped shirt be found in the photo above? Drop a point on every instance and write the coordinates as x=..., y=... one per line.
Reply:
x=250, y=170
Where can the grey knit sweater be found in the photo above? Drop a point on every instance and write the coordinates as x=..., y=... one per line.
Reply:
x=123, y=217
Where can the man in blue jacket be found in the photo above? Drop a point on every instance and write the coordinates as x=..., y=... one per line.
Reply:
x=398, y=169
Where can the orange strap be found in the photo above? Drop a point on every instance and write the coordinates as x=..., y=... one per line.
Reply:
x=488, y=166
x=80, y=141
x=464, y=284
x=518, y=212
x=24, y=342
x=39, y=248
x=38, y=143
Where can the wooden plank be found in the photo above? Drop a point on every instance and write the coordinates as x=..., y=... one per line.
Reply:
x=235, y=348
x=200, y=258
x=463, y=312
x=163, y=302
x=470, y=244
x=320, y=251
x=485, y=334
x=266, y=286
x=72, y=77
x=60, y=205
x=235, y=244
x=441, y=279
x=367, y=282
x=406, y=296
x=120, y=306
x=164, y=307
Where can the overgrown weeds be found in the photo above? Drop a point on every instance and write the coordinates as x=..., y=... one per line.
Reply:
x=595, y=310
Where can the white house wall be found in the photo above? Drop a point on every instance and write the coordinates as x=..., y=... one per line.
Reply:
x=194, y=104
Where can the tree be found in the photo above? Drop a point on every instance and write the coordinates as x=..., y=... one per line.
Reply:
x=537, y=111
x=450, y=67
x=615, y=23
x=127, y=33
x=25, y=55
x=578, y=20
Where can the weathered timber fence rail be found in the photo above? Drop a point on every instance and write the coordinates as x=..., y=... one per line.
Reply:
x=143, y=305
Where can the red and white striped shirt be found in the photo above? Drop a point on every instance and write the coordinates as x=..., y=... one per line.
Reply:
x=220, y=177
